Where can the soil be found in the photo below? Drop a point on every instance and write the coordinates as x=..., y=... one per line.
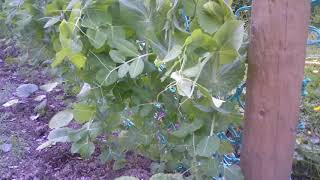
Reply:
x=23, y=135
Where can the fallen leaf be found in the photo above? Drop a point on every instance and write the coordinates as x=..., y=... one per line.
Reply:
x=39, y=98
x=11, y=103
x=34, y=117
x=49, y=87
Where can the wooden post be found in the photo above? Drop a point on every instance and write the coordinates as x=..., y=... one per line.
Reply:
x=276, y=68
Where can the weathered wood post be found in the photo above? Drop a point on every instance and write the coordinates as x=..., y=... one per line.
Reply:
x=276, y=68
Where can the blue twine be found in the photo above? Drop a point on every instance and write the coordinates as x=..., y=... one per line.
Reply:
x=186, y=21
x=244, y=8
x=162, y=67
x=127, y=123
x=315, y=2
x=172, y=89
x=163, y=140
x=237, y=95
x=317, y=41
x=305, y=83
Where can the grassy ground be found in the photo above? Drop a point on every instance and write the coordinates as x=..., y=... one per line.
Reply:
x=307, y=155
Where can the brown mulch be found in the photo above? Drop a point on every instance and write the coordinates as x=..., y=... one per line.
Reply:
x=23, y=161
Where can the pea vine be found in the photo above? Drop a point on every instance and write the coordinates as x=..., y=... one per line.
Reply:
x=155, y=76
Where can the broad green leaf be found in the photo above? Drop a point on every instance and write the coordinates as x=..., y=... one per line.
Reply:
x=52, y=21
x=145, y=110
x=162, y=176
x=119, y=164
x=193, y=71
x=210, y=23
x=123, y=70
x=83, y=112
x=55, y=136
x=96, y=17
x=136, y=68
x=126, y=48
x=135, y=5
x=187, y=128
x=233, y=173
x=230, y=35
x=59, y=135
x=85, y=149
x=172, y=54
x=79, y=60
x=76, y=45
x=61, y=119
x=60, y=56
x=227, y=56
x=190, y=7
x=97, y=37
x=117, y=57
x=210, y=167
x=184, y=85
x=208, y=146
x=107, y=77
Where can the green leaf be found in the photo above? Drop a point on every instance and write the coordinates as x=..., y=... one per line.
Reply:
x=126, y=48
x=230, y=35
x=117, y=57
x=145, y=110
x=97, y=37
x=187, y=128
x=60, y=56
x=85, y=149
x=97, y=16
x=123, y=70
x=119, y=164
x=61, y=119
x=59, y=135
x=208, y=146
x=192, y=71
x=172, y=54
x=55, y=136
x=210, y=167
x=79, y=60
x=136, y=68
x=233, y=173
x=52, y=21
x=83, y=112
x=210, y=23
x=162, y=176
x=107, y=77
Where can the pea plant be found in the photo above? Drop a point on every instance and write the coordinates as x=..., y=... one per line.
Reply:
x=156, y=77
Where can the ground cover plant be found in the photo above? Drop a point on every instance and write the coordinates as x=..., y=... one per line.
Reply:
x=160, y=74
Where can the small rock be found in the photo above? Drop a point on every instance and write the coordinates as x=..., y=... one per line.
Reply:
x=25, y=90
x=315, y=140
x=6, y=147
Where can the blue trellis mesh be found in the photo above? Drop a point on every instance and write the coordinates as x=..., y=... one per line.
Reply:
x=234, y=135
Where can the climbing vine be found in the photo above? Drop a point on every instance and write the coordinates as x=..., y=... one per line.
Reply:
x=155, y=76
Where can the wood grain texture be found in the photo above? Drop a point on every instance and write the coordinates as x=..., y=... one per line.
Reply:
x=275, y=74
